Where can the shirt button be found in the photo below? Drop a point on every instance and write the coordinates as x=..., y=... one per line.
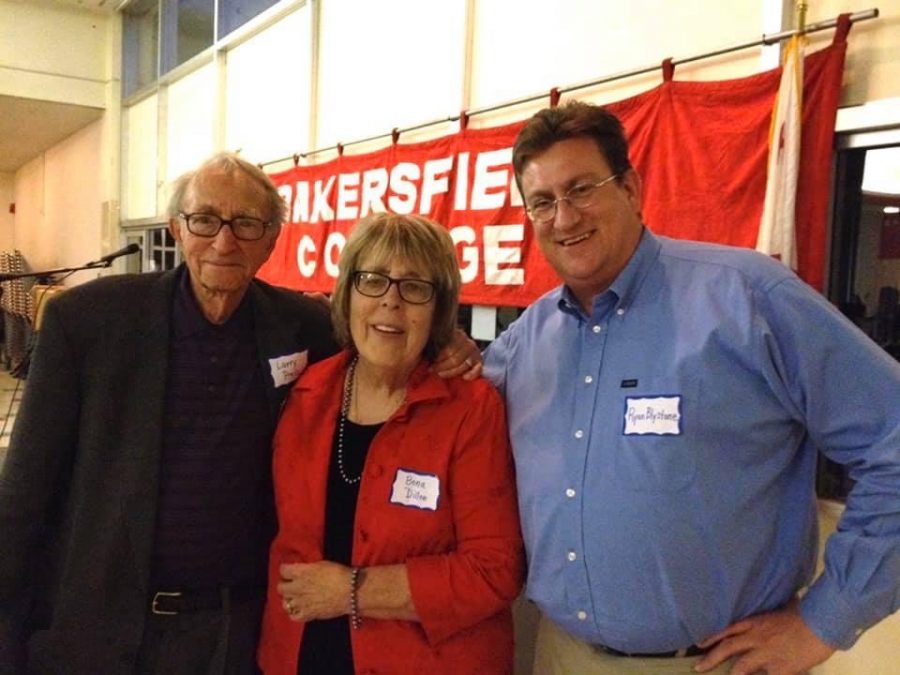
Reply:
x=570, y=493
x=579, y=434
x=596, y=329
x=588, y=379
x=572, y=556
x=582, y=615
x=620, y=311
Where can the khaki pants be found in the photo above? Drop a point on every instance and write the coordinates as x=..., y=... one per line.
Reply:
x=558, y=653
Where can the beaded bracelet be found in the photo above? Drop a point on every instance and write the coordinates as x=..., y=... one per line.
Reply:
x=355, y=618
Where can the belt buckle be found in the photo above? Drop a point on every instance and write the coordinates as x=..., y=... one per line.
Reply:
x=154, y=606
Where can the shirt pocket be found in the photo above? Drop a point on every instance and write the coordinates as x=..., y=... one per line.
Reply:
x=657, y=435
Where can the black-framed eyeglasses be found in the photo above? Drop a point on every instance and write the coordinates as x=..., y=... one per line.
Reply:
x=376, y=284
x=244, y=228
x=580, y=196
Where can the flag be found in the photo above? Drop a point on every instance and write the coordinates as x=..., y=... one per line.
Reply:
x=777, y=233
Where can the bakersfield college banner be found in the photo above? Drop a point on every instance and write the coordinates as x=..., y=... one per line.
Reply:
x=701, y=149
x=463, y=181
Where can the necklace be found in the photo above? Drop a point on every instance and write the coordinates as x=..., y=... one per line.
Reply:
x=345, y=411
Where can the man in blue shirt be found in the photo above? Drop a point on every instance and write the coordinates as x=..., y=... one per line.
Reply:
x=666, y=405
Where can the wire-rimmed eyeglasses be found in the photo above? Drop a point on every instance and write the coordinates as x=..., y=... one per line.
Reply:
x=244, y=228
x=580, y=196
x=376, y=284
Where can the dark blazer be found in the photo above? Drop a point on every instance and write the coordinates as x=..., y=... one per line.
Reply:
x=78, y=492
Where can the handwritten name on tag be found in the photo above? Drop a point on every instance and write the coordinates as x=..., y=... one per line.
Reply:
x=286, y=369
x=657, y=415
x=420, y=490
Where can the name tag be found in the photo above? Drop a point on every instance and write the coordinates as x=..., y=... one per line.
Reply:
x=420, y=490
x=656, y=415
x=286, y=369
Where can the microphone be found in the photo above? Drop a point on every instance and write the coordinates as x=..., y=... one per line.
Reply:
x=128, y=250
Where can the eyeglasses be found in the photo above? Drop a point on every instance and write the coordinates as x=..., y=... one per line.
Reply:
x=244, y=228
x=376, y=284
x=579, y=196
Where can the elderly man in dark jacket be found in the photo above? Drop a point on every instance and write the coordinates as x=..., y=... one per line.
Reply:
x=135, y=502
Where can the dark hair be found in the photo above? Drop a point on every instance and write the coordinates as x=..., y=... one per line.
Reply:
x=574, y=119
x=383, y=237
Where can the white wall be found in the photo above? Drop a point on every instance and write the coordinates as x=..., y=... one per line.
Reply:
x=54, y=54
x=872, y=70
x=7, y=221
x=140, y=159
x=878, y=650
x=529, y=46
x=67, y=198
x=263, y=121
x=397, y=63
x=59, y=205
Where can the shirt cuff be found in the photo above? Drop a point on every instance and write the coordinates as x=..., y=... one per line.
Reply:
x=828, y=615
x=428, y=576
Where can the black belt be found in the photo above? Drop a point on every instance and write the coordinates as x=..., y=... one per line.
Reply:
x=693, y=650
x=170, y=603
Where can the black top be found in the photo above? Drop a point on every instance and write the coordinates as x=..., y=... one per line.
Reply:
x=326, y=648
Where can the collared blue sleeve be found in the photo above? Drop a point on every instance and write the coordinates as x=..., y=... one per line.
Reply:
x=847, y=390
x=496, y=358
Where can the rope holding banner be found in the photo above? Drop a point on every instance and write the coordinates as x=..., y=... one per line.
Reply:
x=668, y=69
x=340, y=149
x=296, y=159
x=843, y=27
x=463, y=120
x=554, y=97
x=395, y=135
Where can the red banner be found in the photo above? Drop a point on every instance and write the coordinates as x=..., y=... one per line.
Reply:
x=700, y=147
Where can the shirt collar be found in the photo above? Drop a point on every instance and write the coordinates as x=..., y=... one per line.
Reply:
x=625, y=286
x=188, y=318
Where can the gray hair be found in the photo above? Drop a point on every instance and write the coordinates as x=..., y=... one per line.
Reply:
x=230, y=163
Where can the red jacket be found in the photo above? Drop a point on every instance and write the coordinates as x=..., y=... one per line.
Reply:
x=464, y=559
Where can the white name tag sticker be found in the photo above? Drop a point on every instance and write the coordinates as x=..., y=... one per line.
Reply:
x=654, y=415
x=420, y=490
x=286, y=369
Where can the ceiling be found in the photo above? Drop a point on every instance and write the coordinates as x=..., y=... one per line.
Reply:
x=28, y=127
x=93, y=5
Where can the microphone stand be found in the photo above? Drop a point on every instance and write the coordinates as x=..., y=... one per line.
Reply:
x=21, y=369
x=95, y=265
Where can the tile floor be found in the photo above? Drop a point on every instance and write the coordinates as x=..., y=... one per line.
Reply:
x=10, y=395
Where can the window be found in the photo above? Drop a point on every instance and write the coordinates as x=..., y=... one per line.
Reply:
x=188, y=29
x=140, y=45
x=864, y=278
x=235, y=13
x=161, y=252
x=160, y=35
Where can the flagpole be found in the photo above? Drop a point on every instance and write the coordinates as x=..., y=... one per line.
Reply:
x=802, y=6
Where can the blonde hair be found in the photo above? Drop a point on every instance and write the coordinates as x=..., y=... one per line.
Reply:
x=416, y=240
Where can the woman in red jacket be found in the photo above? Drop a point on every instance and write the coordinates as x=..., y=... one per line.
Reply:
x=398, y=548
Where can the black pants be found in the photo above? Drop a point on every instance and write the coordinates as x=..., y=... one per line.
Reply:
x=206, y=642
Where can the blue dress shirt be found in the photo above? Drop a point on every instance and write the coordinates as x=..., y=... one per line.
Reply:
x=666, y=444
